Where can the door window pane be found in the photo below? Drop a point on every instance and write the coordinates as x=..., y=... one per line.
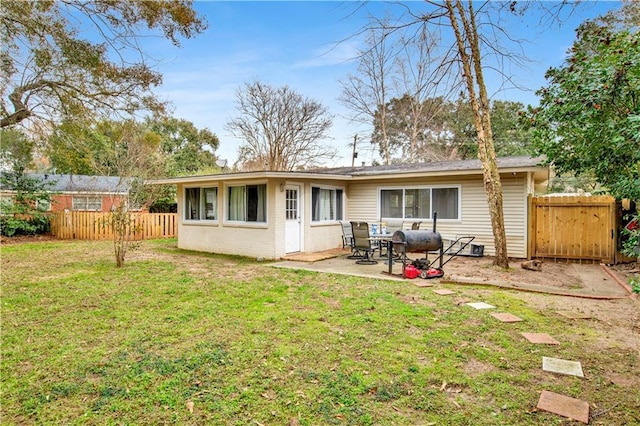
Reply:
x=291, y=204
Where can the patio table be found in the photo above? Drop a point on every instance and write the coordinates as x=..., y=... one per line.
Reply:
x=382, y=241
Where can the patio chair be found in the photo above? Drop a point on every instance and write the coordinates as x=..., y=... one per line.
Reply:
x=362, y=243
x=415, y=226
x=394, y=225
x=347, y=234
x=349, y=241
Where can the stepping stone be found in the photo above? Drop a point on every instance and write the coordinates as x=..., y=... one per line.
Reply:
x=574, y=315
x=480, y=305
x=505, y=317
x=564, y=406
x=540, y=338
x=443, y=291
x=423, y=284
x=562, y=366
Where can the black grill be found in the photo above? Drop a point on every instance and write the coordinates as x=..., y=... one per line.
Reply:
x=405, y=241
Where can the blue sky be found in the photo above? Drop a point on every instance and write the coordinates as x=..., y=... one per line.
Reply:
x=308, y=46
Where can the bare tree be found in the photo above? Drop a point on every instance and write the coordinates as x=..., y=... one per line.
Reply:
x=473, y=52
x=426, y=86
x=137, y=158
x=368, y=93
x=281, y=129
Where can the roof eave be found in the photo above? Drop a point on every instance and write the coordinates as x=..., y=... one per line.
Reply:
x=247, y=176
x=440, y=173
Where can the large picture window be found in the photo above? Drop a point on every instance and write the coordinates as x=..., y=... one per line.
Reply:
x=326, y=204
x=247, y=203
x=420, y=203
x=201, y=203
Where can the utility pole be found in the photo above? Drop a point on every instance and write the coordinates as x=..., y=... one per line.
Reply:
x=355, y=153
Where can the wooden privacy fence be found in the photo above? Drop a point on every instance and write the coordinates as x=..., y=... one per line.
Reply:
x=95, y=225
x=573, y=227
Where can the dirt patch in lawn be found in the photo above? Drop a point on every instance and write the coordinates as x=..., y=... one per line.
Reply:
x=553, y=274
x=21, y=239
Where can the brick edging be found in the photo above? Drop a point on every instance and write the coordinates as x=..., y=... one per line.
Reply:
x=532, y=289
x=617, y=279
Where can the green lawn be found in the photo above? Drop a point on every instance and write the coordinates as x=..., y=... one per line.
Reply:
x=189, y=338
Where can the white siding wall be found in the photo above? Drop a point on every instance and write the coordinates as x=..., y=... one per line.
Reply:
x=361, y=203
x=475, y=219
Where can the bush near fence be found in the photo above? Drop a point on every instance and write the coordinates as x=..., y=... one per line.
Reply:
x=73, y=225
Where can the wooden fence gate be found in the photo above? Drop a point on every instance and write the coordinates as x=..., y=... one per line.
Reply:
x=95, y=225
x=573, y=227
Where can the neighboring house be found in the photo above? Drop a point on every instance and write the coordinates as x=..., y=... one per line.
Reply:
x=271, y=214
x=81, y=193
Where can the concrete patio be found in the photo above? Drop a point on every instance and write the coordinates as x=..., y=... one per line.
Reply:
x=595, y=281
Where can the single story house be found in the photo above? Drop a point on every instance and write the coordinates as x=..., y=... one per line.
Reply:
x=269, y=214
x=79, y=192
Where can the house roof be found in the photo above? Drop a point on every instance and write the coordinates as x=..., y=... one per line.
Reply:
x=436, y=168
x=82, y=183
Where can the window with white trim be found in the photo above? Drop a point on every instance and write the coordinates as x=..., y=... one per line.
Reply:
x=201, y=203
x=420, y=203
x=247, y=203
x=326, y=204
x=86, y=202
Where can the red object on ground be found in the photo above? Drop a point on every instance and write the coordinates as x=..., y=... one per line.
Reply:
x=434, y=273
x=411, y=271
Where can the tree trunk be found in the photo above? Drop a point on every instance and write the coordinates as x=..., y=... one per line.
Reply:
x=482, y=120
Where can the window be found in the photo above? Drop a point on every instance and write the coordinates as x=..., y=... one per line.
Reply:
x=420, y=203
x=201, y=203
x=445, y=202
x=86, y=202
x=247, y=203
x=417, y=203
x=326, y=204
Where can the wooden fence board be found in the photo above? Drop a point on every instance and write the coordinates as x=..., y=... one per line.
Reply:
x=95, y=225
x=573, y=227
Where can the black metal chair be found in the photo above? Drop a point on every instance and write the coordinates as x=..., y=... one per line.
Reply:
x=415, y=226
x=362, y=243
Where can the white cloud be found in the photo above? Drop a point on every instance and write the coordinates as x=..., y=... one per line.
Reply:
x=342, y=53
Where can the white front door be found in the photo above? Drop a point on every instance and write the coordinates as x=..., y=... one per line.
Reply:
x=293, y=228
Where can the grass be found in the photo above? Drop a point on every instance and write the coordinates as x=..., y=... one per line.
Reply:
x=192, y=338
